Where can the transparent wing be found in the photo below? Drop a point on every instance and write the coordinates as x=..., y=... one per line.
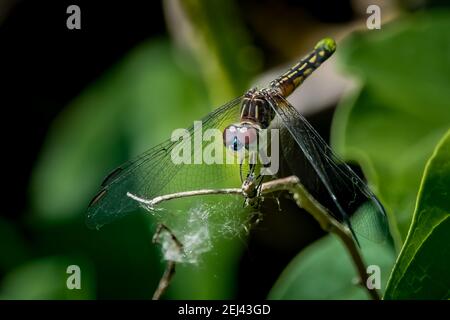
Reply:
x=154, y=173
x=334, y=184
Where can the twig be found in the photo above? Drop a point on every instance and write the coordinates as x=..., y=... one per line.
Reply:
x=306, y=201
x=165, y=280
x=303, y=199
x=170, y=268
x=152, y=202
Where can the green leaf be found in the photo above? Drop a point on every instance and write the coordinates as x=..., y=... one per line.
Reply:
x=422, y=269
x=220, y=42
x=324, y=270
x=393, y=123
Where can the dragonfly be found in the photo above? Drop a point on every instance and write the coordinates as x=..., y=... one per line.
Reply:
x=303, y=152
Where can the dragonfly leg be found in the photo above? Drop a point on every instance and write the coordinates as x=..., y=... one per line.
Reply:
x=240, y=172
x=259, y=182
x=251, y=169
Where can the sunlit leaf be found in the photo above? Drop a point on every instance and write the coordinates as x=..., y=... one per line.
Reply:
x=391, y=126
x=324, y=270
x=422, y=270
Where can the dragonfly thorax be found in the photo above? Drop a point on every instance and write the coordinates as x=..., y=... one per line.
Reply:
x=256, y=109
x=255, y=114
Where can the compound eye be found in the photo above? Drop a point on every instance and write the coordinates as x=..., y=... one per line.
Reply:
x=230, y=138
x=248, y=136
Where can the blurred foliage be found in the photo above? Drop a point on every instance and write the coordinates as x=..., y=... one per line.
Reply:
x=421, y=271
x=12, y=246
x=393, y=123
x=390, y=126
x=46, y=279
x=215, y=34
x=137, y=104
x=110, y=123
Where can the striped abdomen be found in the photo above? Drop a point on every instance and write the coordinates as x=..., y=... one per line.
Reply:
x=295, y=76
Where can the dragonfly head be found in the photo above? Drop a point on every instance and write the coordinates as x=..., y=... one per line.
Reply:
x=242, y=135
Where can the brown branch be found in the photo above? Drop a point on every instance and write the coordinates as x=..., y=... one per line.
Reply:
x=165, y=280
x=185, y=194
x=328, y=223
x=170, y=268
x=302, y=198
